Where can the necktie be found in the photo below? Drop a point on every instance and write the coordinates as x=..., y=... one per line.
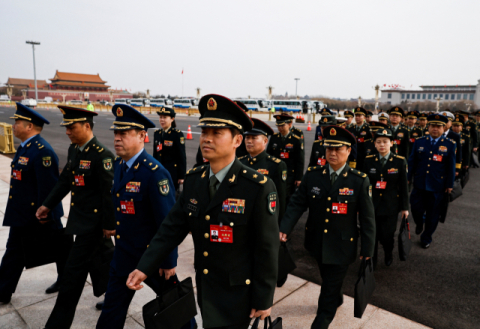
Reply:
x=333, y=177
x=433, y=142
x=124, y=168
x=382, y=161
x=212, y=188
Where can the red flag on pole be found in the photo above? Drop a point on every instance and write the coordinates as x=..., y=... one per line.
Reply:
x=182, y=70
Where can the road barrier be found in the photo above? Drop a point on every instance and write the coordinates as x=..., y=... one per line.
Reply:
x=6, y=138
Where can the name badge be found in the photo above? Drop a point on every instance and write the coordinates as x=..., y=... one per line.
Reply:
x=320, y=137
x=397, y=142
x=284, y=155
x=127, y=207
x=339, y=208
x=236, y=206
x=17, y=174
x=79, y=181
x=321, y=161
x=23, y=161
x=84, y=164
x=132, y=187
x=360, y=140
x=222, y=234
x=412, y=140
x=437, y=157
x=159, y=147
x=168, y=143
x=381, y=185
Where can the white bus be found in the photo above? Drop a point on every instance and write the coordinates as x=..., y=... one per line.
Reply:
x=125, y=101
x=252, y=104
x=287, y=105
x=184, y=103
x=160, y=102
x=140, y=102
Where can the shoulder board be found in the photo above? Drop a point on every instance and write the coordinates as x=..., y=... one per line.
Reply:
x=317, y=141
x=273, y=159
x=398, y=156
x=149, y=164
x=100, y=150
x=277, y=134
x=196, y=170
x=117, y=158
x=297, y=137
x=40, y=146
x=253, y=175
x=370, y=156
x=242, y=157
x=358, y=173
x=315, y=168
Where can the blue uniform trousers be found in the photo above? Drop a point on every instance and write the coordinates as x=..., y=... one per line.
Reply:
x=118, y=298
x=425, y=206
x=13, y=260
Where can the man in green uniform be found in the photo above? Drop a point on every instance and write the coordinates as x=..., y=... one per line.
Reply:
x=232, y=213
x=414, y=131
x=335, y=195
x=400, y=133
x=349, y=116
x=457, y=127
x=287, y=146
x=88, y=174
x=422, y=123
x=256, y=141
x=362, y=134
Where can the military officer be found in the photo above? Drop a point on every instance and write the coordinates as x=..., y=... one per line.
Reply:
x=349, y=116
x=242, y=149
x=449, y=133
x=388, y=175
x=317, y=156
x=34, y=173
x=422, y=123
x=362, y=133
x=318, y=130
x=236, y=274
x=470, y=126
x=334, y=194
x=142, y=194
x=369, y=116
x=383, y=118
x=432, y=168
x=256, y=141
x=169, y=146
x=88, y=175
x=287, y=146
x=413, y=130
x=400, y=133
x=457, y=127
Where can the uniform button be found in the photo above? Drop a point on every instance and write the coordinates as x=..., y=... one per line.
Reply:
x=11, y=186
x=118, y=223
x=73, y=193
x=429, y=158
x=10, y=197
x=430, y=152
x=380, y=194
x=326, y=220
x=325, y=231
x=428, y=165
x=118, y=209
x=328, y=209
x=207, y=217
x=247, y=281
x=231, y=224
x=329, y=198
x=95, y=210
x=118, y=195
x=427, y=172
x=205, y=271
x=351, y=239
x=118, y=236
x=381, y=174
x=73, y=172
x=71, y=204
x=206, y=235
x=313, y=196
x=189, y=214
x=73, y=183
x=13, y=166
x=306, y=228
x=33, y=203
x=205, y=254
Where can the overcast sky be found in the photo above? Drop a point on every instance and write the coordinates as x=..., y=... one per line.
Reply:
x=239, y=48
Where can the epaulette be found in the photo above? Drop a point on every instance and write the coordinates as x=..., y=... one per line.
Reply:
x=117, y=158
x=399, y=156
x=297, y=137
x=317, y=141
x=273, y=159
x=196, y=170
x=315, y=168
x=40, y=146
x=370, y=156
x=253, y=175
x=358, y=173
x=150, y=165
x=450, y=140
x=277, y=134
x=242, y=157
x=100, y=150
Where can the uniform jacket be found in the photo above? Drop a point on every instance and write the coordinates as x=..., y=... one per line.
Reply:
x=276, y=170
x=318, y=133
x=391, y=199
x=413, y=134
x=333, y=236
x=363, y=136
x=88, y=175
x=34, y=174
x=465, y=143
x=147, y=187
x=318, y=155
x=470, y=126
x=401, y=141
x=289, y=151
x=232, y=278
x=432, y=167
x=169, y=150
x=458, y=155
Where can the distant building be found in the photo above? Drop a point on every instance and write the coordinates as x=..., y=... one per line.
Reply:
x=27, y=83
x=78, y=81
x=457, y=93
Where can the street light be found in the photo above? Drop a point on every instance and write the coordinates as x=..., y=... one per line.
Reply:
x=296, y=86
x=33, y=43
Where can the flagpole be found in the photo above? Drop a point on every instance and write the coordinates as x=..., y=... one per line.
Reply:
x=182, y=82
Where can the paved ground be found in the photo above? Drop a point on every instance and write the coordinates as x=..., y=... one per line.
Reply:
x=437, y=287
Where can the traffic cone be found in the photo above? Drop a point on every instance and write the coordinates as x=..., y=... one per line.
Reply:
x=146, y=139
x=309, y=128
x=189, y=133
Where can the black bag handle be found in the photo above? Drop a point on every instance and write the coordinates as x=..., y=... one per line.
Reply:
x=267, y=323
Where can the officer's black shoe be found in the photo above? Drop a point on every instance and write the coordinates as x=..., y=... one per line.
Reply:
x=388, y=259
x=5, y=299
x=425, y=245
x=99, y=305
x=419, y=229
x=53, y=288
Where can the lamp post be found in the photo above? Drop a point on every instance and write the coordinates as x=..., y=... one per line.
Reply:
x=270, y=92
x=359, y=101
x=296, y=87
x=24, y=93
x=110, y=92
x=9, y=91
x=33, y=43
x=377, y=88
x=198, y=93
x=438, y=99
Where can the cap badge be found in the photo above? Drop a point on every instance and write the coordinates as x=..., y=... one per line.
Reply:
x=333, y=132
x=396, y=109
x=325, y=120
x=211, y=104
x=384, y=132
x=437, y=117
x=119, y=112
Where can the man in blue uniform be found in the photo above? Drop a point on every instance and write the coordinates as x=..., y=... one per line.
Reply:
x=449, y=133
x=34, y=174
x=432, y=167
x=143, y=194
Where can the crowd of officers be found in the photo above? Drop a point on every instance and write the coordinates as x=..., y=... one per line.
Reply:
x=242, y=198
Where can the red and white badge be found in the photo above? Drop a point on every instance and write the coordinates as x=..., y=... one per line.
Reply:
x=381, y=185
x=361, y=140
x=397, y=142
x=159, y=147
x=205, y=160
x=79, y=181
x=412, y=140
x=437, y=157
x=339, y=208
x=223, y=234
x=321, y=161
x=17, y=174
x=127, y=207
x=284, y=155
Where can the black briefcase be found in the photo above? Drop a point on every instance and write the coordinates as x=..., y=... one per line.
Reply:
x=404, y=239
x=173, y=309
x=99, y=267
x=475, y=161
x=268, y=324
x=456, y=190
x=465, y=178
x=363, y=288
x=286, y=264
x=46, y=246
